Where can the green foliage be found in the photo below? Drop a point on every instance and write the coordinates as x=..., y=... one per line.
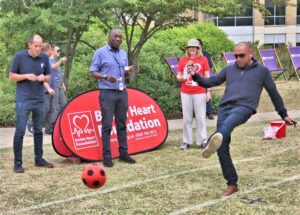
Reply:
x=168, y=97
x=215, y=100
x=7, y=97
x=80, y=81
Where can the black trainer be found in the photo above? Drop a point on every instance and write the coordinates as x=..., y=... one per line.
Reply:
x=44, y=163
x=211, y=117
x=127, y=159
x=18, y=168
x=107, y=162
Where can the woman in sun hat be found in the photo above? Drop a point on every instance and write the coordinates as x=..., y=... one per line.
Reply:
x=193, y=97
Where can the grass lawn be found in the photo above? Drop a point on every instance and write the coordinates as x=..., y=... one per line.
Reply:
x=163, y=181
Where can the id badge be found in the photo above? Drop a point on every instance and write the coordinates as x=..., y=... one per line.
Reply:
x=121, y=87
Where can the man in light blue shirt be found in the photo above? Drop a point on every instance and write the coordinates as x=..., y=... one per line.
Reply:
x=110, y=67
x=57, y=83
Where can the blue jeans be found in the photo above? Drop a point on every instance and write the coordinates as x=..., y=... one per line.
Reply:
x=114, y=103
x=48, y=114
x=230, y=117
x=23, y=110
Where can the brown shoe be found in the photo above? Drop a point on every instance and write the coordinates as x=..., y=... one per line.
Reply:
x=231, y=189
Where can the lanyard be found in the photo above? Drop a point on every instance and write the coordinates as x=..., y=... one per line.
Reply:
x=116, y=59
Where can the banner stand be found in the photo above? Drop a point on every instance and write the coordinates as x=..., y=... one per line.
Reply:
x=77, y=130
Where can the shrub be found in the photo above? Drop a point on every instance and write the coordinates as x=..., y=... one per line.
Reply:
x=215, y=100
x=7, y=97
x=167, y=97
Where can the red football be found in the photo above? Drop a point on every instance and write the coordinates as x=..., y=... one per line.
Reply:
x=93, y=176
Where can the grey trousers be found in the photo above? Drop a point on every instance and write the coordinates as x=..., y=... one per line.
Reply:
x=194, y=103
x=58, y=100
x=48, y=113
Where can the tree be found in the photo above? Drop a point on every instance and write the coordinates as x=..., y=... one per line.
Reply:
x=145, y=18
x=59, y=22
x=64, y=22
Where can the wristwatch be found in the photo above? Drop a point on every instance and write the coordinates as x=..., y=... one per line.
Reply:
x=104, y=77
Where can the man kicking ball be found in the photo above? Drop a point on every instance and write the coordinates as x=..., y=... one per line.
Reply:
x=244, y=83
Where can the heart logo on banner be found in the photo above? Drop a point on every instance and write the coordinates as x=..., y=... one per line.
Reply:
x=80, y=122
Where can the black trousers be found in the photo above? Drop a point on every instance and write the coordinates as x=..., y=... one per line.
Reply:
x=209, y=108
x=114, y=103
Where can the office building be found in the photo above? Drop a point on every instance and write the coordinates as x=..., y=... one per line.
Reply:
x=281, y=26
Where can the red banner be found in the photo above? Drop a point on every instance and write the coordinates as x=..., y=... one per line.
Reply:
x=57, y=142
x=80, y=126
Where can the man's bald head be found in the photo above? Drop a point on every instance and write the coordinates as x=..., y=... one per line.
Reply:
x=35, y=37
x=245, y=45
x=243, y=54
x=115, y=38
x=35, y=45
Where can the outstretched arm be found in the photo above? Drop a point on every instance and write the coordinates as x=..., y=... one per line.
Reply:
x=277, y=100
x=209, y=82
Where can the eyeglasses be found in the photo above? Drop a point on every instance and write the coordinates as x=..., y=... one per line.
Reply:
x=58, y=50
x=239, y=55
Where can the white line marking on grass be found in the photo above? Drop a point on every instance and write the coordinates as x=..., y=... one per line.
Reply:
x=222, y=199
x=136, y=183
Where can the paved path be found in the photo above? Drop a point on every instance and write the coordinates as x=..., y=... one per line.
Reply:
x=6, y=134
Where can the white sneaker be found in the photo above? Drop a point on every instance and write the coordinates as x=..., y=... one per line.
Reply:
x=184, y=146
x=213, y=144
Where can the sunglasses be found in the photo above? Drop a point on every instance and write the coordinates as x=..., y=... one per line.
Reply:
x=58, y=50
x=239, y=55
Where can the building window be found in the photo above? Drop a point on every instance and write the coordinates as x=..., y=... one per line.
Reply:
x=274, y=40
x=277, y=14
x=297, y=39
x=242, y=19
x=298, y=12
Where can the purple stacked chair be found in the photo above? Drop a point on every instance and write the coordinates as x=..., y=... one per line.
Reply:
x=294, y=53
x=229, y=57
x=173, y=64
x=270, y=59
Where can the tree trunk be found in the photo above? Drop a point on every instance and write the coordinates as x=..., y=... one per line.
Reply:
x=69, y=55
x=136, y=62
x=70, y=52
